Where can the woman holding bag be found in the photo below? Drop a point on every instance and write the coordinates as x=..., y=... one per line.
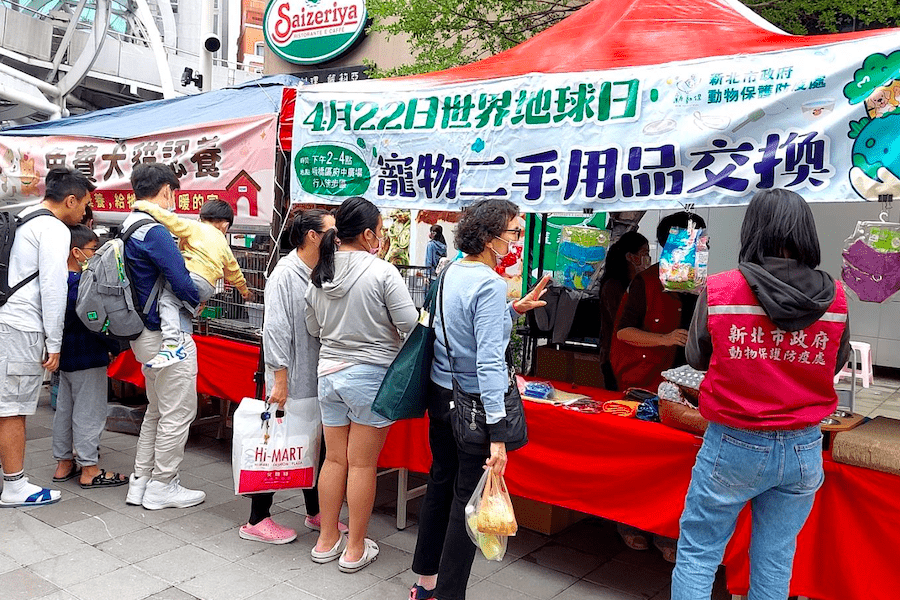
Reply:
x=291, y=355
x=472, y=328
x=358, y=306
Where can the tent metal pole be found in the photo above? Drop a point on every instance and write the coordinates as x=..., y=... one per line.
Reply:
x=542, y=242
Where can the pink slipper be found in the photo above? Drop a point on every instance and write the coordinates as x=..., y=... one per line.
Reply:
x=268, y=532
x=315, y=523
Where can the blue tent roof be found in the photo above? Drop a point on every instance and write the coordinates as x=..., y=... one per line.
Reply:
x=257, y=97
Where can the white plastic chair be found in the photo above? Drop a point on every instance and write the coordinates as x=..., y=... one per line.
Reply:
x=862, y=354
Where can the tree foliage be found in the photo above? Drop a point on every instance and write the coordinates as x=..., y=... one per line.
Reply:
x=446, y=33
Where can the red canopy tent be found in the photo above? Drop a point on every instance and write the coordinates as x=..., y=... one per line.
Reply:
x=610, y=34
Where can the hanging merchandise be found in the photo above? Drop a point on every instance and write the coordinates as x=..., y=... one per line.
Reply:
x=580, y=254
x=872, y=260
x=683, y=262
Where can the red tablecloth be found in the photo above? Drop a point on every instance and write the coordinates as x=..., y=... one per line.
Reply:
x=225, y=368
x=637, y=473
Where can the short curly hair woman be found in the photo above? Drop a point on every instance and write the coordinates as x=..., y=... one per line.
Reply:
x=476, y=331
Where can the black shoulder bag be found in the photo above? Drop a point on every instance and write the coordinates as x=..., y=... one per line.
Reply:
x=467, y=415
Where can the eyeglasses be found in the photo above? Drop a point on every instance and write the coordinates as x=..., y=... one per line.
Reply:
x=86, y=248
x=518, y=231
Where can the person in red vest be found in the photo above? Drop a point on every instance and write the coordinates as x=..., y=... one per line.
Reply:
x=651, y=325
x=771, y=335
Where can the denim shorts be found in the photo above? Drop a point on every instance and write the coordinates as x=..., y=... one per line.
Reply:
x=348, y=394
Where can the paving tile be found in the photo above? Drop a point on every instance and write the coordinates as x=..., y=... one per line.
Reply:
x=7, y=564
x=646, y=559
x=181, y=564
x=102, y=527
x=215, y=471
x=75, y=567
x=171, y=593
x=328, y=583
x=525, y=542
x=140, y=545
x=196, y=526
x=393, y=589
x=564, y=559
x=118, y=441
x=584, y=590
x=488, y=590
x=629, y=579
x=28, y=540
x=482, y=567
x=44, y=443
x=404, y=540
x=230, y=546
x=22, y=584
x=381, y=526
x=230, y=582
x=110, y=498
x=283, y=591
x=68, y=510
x=38, y=458
x=286, y=561
x=390, y=562
x=59, y=595
x=127, y=583
x=532, y=579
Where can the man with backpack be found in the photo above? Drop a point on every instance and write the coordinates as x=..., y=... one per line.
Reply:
x=34, y=248
x=153, y=260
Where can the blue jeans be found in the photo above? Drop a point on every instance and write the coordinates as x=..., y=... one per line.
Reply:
x=778, y=472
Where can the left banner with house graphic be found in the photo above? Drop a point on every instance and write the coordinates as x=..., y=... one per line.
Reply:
x=231, y=160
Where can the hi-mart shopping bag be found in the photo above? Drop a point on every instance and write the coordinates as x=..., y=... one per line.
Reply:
x=272, y=453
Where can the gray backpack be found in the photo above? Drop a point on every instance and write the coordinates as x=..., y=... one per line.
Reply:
x=106, y=300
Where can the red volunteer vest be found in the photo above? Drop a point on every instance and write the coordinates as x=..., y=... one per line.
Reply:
x=761, y=377
x=642, y=367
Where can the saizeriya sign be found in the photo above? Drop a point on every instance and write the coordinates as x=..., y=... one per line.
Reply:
x=308, y=32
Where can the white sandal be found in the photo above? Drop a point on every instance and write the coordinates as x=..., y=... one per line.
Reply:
x=368, y=557
x=329, y=555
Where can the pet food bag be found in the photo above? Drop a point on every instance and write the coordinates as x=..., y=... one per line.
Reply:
x=271, y=453
x=683, y=262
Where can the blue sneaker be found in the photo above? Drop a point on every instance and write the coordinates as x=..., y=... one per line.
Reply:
x=169, y=355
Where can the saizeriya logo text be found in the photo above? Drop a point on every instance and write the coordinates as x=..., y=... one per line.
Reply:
x=313, y=31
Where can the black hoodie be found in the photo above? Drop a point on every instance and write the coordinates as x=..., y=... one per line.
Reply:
x=793, y=295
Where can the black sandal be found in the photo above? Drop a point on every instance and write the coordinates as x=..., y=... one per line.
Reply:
x=72, y=474
x=102, y=480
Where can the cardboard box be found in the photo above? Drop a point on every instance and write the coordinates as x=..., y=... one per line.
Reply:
x=586, y=370
x=543, y=518
x=554, y=364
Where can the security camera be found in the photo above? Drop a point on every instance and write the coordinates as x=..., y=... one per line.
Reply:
x=212, y=43
x=188, y=77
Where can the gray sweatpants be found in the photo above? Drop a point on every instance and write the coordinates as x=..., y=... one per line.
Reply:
x=80, y=415
x=172, y=396
x=170, y=308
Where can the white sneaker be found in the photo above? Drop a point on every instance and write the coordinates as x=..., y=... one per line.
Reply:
x=168, y=355
x=136, y=488
x=170, y=495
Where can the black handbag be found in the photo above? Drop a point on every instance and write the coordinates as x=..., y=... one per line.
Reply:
x=467, y=415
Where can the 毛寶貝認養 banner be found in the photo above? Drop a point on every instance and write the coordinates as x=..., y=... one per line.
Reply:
x=231, y=160
x=823, y=121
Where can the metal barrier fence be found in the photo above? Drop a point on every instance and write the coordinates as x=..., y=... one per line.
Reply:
x=417, y=281
x=227, y=315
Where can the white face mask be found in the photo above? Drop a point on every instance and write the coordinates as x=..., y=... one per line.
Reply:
x=377, y=247
x=499, y=256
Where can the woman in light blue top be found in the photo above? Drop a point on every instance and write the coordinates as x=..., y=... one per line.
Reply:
x=478, y=322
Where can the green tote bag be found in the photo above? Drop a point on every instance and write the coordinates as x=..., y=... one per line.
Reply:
x=403, y=392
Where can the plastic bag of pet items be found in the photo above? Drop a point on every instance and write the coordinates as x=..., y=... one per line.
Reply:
x=493, y=547
x=688, y=380
x=683, y=262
